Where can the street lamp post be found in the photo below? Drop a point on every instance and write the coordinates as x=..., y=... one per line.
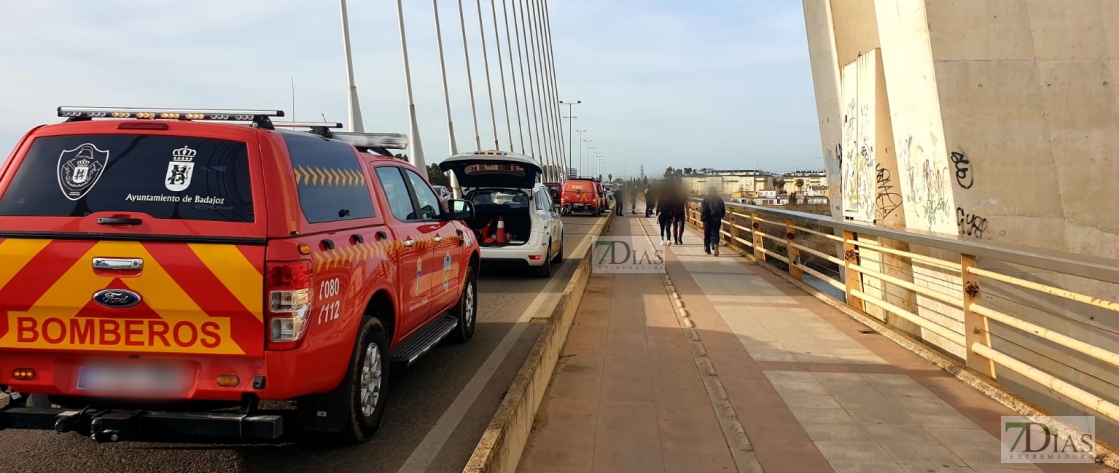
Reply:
x=588, y=154
x=580, y=132
x=570, y=116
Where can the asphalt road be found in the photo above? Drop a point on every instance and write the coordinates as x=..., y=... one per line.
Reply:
x=438, y=408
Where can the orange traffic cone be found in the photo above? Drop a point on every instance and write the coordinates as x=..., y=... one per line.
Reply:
x=485, y=231
x=501, y=229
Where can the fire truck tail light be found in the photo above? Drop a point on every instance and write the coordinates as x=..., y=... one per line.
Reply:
x=288, y=285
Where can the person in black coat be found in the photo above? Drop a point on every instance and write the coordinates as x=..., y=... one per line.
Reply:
x=650, y=202
x=711, y=213
x=619, y=200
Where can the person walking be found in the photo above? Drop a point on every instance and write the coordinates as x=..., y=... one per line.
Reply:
x=650, y=202
x=666, y=210
x=711, y=213
x=680, y=209
x=633, y=201
x=619, y=201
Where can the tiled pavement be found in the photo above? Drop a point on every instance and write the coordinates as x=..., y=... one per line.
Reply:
x=811, y=392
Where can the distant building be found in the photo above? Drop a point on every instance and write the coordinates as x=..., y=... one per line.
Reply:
x=735, y=183
x=810, y=179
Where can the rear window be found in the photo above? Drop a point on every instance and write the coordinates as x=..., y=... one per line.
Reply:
x=167, y=177
x=503, y=169
x=329, y=179
x=497, y=197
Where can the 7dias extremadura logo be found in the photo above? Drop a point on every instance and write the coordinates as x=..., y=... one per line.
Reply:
x=626, y=255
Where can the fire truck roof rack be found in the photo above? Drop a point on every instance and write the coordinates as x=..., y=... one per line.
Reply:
x=259, y=118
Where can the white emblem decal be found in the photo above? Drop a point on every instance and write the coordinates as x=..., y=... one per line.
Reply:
x=447, y=271
x=180, y=169
x=79, y=169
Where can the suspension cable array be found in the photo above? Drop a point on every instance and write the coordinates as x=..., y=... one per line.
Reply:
x=532, y=75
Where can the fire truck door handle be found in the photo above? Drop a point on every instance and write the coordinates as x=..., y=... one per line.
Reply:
x=328, y=244
x=358, y=239
x=380, y=236
x=438, y=238
x=409, y=242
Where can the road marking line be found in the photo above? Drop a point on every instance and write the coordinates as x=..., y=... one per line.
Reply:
x=421, y=458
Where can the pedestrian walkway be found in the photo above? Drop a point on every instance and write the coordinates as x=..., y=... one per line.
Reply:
x=811, y=389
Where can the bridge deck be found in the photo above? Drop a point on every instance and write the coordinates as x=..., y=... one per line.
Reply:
x=810, y=390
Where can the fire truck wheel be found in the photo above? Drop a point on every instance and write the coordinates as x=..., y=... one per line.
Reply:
x=467, y=308
x=368, y=380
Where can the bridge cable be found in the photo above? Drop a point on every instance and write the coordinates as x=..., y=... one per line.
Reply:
x=549, y=73
x=534, y=70
x=513, y=78
x=455, y=188
x=501, y=69
x=555, y=86
x=469, y=80
x=542, y=158
x=486, y=65
x=546, y=108
x=524, y=87
x=416, y=157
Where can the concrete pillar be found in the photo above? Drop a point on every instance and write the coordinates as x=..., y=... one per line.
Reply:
x=1003, y=121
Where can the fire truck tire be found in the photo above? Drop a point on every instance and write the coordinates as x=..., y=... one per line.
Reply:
x=367, y=382
x=467, y=308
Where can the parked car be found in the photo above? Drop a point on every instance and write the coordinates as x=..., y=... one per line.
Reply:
x=503, y=190
x=554, y=189
x=444, y=192
x=582, y=195
x=169, y=270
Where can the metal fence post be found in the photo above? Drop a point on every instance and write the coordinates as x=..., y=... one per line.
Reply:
x=976, y=327
x=851, y=275
x=759, y=242
x=791, y=249
x=734, y=232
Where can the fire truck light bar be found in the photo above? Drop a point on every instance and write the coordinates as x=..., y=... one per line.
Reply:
x=307, y=125
x=167, y=113
x=374, y=140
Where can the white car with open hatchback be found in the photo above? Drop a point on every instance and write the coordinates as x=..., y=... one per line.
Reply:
x=515, y=219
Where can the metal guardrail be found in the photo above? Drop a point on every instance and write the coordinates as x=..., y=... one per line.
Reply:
x=979, y=316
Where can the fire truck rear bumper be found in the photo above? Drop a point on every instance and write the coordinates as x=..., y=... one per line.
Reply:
x=105, y=425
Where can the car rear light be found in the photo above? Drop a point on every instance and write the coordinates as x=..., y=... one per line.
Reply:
x=288, y=285
x=534, y=257
x=142, y=126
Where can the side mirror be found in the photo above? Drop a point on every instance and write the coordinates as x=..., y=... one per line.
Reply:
x=461, y=209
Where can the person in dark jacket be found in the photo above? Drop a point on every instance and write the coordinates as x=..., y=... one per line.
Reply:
x=633, y=201
x=666, y=209
x=680, y=208
x=711, y=213
x=619, y=200
x=650, y=202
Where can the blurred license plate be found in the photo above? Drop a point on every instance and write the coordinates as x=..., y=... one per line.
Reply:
x=132, y=379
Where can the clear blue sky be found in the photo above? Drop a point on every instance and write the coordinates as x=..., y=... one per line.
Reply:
x=718, y=83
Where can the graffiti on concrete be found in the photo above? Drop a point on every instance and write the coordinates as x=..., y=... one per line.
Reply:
x=928, y=186
x=970, y=224
x=964, y=176
x=887, y=199
x=858, y=164
x=833, y=161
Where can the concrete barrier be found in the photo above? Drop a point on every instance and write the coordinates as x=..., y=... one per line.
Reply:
x=505, y=438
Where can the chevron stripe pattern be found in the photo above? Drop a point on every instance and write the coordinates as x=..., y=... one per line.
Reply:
x=315, y=176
